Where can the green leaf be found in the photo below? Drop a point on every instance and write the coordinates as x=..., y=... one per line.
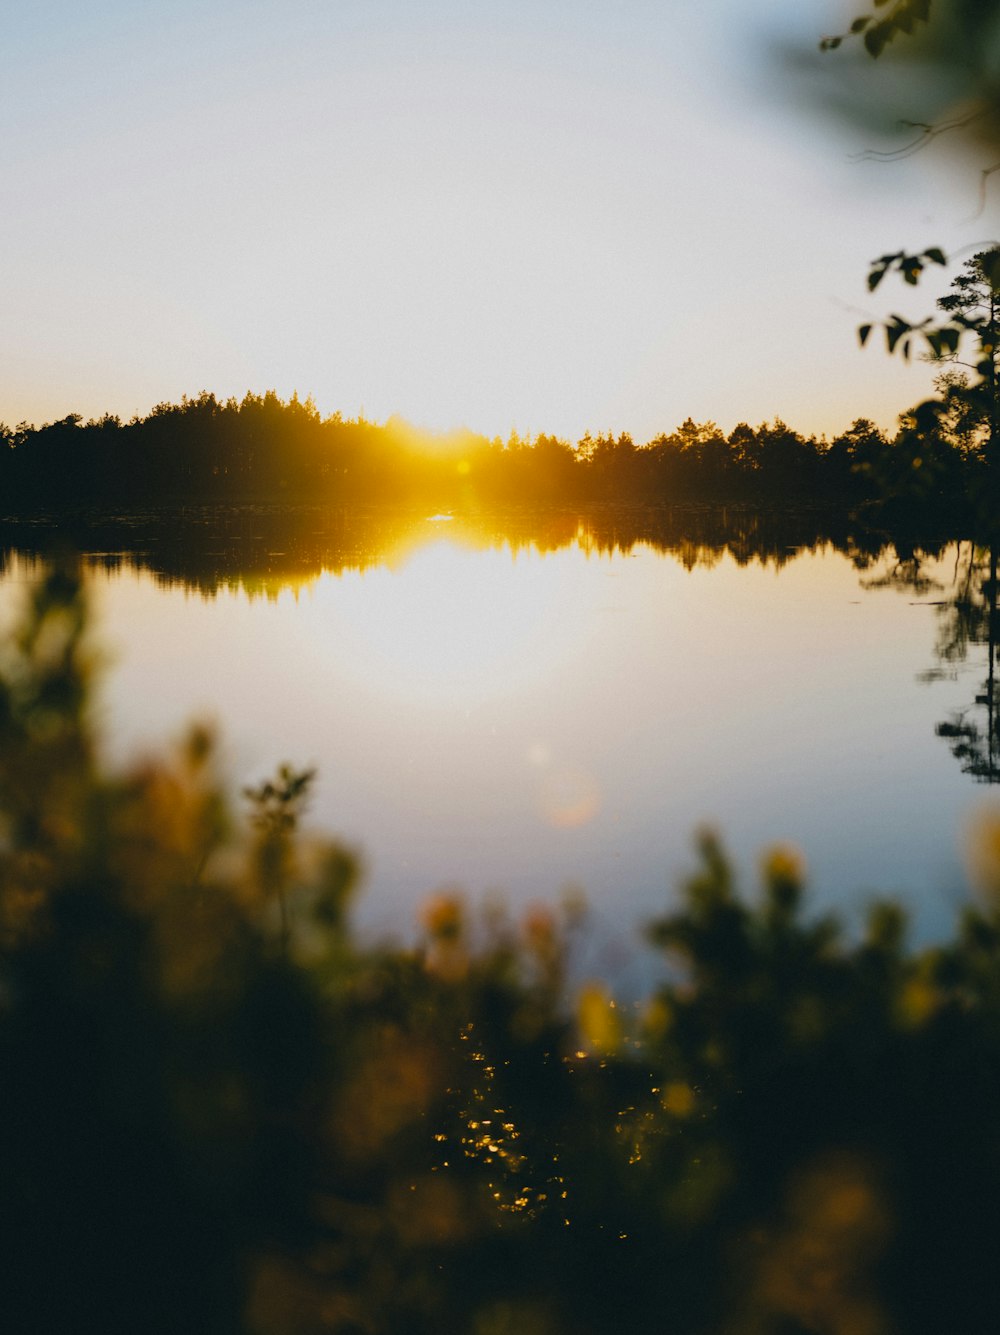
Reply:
x=894, y=332
x=860, y=24
x=949, y=338
x=876, y=38
x=863, y=332
x=875, y=277
x=935, y=255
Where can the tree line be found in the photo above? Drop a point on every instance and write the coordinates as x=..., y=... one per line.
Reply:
x=264, y=448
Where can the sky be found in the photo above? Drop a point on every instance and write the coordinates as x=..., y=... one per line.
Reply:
x=555, y=216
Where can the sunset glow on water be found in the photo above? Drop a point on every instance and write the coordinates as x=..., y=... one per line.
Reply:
x=524, y=722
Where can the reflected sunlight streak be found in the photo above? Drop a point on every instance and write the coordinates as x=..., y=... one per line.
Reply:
x=453, y=626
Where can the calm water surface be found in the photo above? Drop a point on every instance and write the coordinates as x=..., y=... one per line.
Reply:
x=518, y=720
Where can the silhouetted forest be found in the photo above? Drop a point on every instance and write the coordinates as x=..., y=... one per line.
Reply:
x=224, y=1114
x=203, y=450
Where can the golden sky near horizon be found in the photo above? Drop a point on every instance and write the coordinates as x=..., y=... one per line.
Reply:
x=560, y=216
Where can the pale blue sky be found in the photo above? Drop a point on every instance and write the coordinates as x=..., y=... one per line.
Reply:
x=551, y=217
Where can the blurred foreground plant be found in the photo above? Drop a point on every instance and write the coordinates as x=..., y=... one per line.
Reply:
x=222, y=1113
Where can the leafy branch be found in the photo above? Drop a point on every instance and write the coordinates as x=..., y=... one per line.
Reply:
x=904, y=17
x=942, y=339
x=910, y=267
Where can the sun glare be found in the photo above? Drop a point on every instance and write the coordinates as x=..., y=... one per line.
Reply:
x=453, y=626
x=451, y=443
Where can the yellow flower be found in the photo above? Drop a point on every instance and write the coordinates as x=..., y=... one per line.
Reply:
x=784, y=862
x=599, y=1023
x=982, y=856
x=443, y=916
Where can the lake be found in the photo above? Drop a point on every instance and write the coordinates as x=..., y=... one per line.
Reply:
x=528, y=707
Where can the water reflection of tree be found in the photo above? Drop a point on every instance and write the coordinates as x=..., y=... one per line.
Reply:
x=262, y=549
x=906, y=573
x=967, y=620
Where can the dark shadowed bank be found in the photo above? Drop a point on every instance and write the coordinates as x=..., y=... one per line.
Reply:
x=220, y=1113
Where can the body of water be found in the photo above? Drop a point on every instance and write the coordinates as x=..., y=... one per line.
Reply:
x=527, y=715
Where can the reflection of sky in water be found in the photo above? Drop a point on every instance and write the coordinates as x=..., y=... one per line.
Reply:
x=536, y=722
